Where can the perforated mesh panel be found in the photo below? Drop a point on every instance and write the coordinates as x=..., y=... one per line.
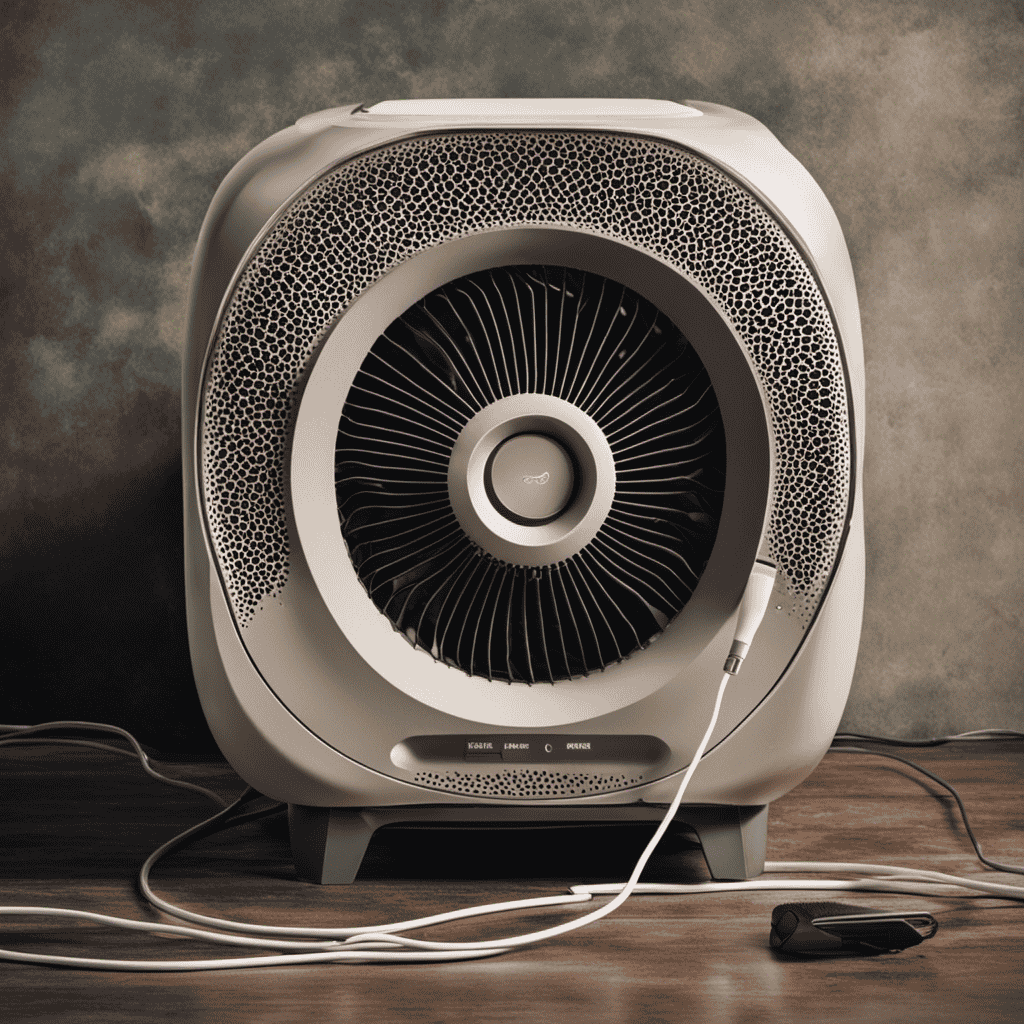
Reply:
x=531, y=783
x=362, y=219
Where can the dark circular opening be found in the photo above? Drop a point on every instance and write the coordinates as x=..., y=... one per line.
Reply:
x=531, y=479
x=519, y=330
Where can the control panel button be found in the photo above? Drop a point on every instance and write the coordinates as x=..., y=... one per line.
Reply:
x=518, y=750
x=482, y=750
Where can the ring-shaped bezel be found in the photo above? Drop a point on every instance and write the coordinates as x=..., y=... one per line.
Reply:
x=746, y=506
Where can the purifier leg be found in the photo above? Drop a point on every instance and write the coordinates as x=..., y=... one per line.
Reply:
x=328, y=843
x=734, y=839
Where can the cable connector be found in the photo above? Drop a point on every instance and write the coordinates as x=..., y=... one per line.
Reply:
x=756, y=596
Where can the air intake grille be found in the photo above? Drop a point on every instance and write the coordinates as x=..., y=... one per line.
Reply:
x=372, y=212
x=516, y=330
x=525, y=783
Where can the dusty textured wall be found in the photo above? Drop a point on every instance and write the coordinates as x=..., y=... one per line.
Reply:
x=120, y=119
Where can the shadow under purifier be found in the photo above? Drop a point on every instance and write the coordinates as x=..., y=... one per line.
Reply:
x=489, y=409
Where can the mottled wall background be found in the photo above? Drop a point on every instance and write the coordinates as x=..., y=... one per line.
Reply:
x=120, y=119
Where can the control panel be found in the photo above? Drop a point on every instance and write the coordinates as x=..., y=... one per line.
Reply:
x=532, y=748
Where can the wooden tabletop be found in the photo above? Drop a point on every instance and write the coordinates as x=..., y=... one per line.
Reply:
x=78, y=824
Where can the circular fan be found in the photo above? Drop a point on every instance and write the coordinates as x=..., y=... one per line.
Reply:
x=466, y=347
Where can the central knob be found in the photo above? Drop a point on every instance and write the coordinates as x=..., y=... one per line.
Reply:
x=530, y=479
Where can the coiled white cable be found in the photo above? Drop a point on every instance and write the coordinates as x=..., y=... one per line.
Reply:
x=383, y=943
x=376, y=943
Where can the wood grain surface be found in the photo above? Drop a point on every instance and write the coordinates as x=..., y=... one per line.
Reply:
x=78, y=824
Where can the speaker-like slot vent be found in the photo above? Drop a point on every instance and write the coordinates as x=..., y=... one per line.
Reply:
x=532, y=783
x=530, y=330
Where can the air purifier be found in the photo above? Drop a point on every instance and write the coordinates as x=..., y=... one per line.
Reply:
x=489, y=408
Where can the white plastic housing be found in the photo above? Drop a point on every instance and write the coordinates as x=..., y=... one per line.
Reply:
x=313, y=700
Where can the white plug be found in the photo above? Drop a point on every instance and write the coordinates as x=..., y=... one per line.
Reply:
x=756, y=596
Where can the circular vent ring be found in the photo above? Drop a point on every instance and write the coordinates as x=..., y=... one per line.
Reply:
x=580, y=364
x=313, y=465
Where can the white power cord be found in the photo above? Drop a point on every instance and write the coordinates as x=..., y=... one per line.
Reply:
x=374, y=943
x=384, y=943
x=885, y=879
x=26, y=734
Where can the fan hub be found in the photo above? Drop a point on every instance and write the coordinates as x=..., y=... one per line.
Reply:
x=541, y=424
x=530, y=479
